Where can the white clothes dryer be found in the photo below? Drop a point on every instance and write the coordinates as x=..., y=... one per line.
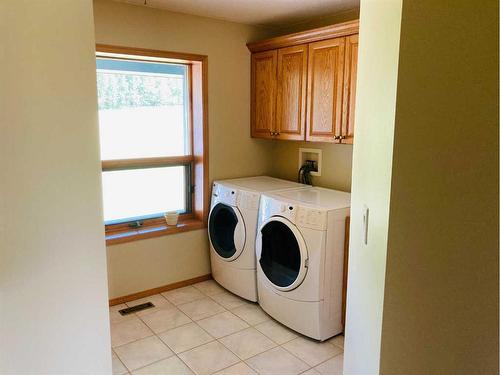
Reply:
x=300, y=252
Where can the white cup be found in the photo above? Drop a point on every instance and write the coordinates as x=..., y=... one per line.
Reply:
x=172, y=218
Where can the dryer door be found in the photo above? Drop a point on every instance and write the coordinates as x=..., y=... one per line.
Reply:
x=282, y=253
x=226, y=230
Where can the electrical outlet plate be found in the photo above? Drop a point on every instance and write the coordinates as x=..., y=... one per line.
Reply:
x=311, y=154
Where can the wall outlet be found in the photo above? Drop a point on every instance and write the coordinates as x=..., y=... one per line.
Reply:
x=313, y=155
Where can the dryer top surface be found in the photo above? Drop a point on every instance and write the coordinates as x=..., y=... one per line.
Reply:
x=316, y=197
x=261, y=184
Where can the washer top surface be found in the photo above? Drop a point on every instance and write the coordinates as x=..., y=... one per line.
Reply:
x=261, y=184
x=315, y=197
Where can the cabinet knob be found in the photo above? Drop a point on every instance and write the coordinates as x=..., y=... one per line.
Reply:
x=342, y=137
x=336, y=137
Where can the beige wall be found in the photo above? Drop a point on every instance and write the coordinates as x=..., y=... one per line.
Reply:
x=232, y=152
x=336, y=165
x=441, y=294
x=371, y=182
x=142, y=265
x=53, y=290
x=337, y=159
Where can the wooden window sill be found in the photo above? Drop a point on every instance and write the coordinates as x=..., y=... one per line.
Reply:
x=123, y=236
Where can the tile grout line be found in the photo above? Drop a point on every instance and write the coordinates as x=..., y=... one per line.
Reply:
x=119, y=359
x=157, y=336
x=174, y=354
x=152, y=363
x=129, y=370
x=213, y=339
x=217, y=339
x=194, y=347
x=311, y=367
x=326, y=360
x=196, y=322
x=192, y=321
x=130, y=342
x=249, y=326
x=270, y=338
x=279, y=346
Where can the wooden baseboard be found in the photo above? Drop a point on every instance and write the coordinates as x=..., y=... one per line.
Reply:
x=160, y=289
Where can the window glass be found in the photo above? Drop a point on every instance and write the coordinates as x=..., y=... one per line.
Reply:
x=143, y=113
x=142, y=109
x=135, y=194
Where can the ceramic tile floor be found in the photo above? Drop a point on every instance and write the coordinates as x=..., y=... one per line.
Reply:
x=203, y=329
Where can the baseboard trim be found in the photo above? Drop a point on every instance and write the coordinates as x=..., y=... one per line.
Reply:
x=160, y=289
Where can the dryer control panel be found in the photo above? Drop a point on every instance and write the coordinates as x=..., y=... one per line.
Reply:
x=311, y=218
x=270, y=207
x=302, y=216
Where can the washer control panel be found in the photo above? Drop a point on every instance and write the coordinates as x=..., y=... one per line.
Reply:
x=225, y=194
x=248, y=200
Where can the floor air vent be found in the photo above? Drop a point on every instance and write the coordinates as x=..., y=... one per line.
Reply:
x=133, y=309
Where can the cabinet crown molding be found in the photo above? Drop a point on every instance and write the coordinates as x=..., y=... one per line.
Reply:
x=309, y=36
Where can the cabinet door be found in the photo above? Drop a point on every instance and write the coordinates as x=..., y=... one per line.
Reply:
x=263, y=93
x=324, y=90
x=291, y=100
x=349, y=100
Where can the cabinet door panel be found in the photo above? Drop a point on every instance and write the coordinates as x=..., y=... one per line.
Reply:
x=349, y=100
x=324, y=90
x=263, y=93
x=291, y=100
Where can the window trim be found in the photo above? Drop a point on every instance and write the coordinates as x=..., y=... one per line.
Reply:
x=197, y=126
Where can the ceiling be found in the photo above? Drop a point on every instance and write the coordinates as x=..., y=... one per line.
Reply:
x=274, y=13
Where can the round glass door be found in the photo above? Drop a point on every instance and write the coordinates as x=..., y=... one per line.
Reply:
x=283, y=253
x=227, y=231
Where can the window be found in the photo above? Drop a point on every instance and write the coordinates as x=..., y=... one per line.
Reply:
x=152, y=127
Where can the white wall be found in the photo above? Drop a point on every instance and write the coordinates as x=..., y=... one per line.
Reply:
x=371, y=181
x=53, y=288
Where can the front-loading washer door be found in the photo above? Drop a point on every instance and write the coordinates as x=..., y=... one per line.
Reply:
x=226, y=229
x=282, y=253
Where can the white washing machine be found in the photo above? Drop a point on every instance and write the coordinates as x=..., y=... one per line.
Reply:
x=300, y=252
x=232, y=225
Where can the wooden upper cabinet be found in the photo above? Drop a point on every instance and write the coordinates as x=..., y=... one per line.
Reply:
x=263, y=82
x=304, y=85
x=349, y=100
x=324, y=90
x=291, y=100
